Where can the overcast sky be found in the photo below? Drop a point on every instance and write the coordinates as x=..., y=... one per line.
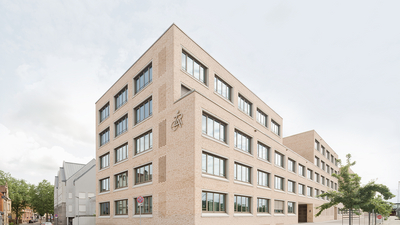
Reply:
x=331, y=66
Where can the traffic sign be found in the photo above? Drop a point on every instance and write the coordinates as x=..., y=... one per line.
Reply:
x=379, y=216
x=140, y=199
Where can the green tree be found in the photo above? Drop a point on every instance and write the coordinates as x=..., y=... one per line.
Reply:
x=351, y=194
x=42, y=198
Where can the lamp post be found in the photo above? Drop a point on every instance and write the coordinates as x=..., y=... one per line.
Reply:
x=78, y=208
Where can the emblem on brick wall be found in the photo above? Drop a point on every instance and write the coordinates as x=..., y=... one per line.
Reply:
x=177, y=122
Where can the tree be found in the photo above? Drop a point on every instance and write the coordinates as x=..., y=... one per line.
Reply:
x=42, y=198
x=351, y=194
x=18, y=193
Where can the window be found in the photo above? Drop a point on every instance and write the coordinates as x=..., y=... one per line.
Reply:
x=104, y=161
x=336, y=186
x=242, y=141
x=322, y=192
x=121, y=180
x=275, y=128
x=263, y=151
x=316, y=145
x=144, y=174
x=301, y=189
x=244, y=105
x=291, y=207
x=143, y=78
x=322, y=165
x=327, y=169
x=121, y=207
x=278, y=207
x=105, y=209
x=241, y=173
x=213, y=202
x=262, y=118
x=327, y=182
x=301, y=170
x=213, y=128
x=336, y=162
x=104, y=112
x=262, y=205
x=331, y=170
x=222, y=88
x=292, y=165
x=121, y=125
x=322, y=150
x=316, y=193
x=105, y=184
x=279, y=159
x=242, y=204
x=332, y=158
x=291, y=186
x=263, y=178
x=279, y=183
x=121, y=153
x=327, y=154
x=121, y=97
x=194, y=68
x=316, y=161
x=144, y=110
x=105, y=137
x=322, y=180
x=309, y=174
x=147, y=207
x=332, y=184
x=309, y=191
x=213, y=165
x=144, y=142
x=317, y=177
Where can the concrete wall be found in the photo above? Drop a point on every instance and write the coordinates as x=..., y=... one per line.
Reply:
x=84, y=221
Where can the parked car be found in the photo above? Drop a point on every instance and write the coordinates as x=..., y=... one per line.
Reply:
x=46, y=223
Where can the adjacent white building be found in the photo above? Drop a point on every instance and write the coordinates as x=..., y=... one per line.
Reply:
x=74, y=194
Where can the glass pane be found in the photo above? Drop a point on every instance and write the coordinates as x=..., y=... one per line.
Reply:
x=204, y=163
x=151, y=140
x=203, y=201
x=239, y=203
x=142, y=144
x=216, y=202
x=189, y=66
x=222, y=202
x=204, y=124
x=202, y=75
x=151, y=172
x=210, y=126
x=216, y=166
x=222, y=168
x=216, y=130
x=210, y=198
x=196, y=73
x=146, y=110
x=210, y=163
x=151, y=107
x=183, y=61
x=146, y=142
x=222, y=133
x=146, y=77
x=150, y=76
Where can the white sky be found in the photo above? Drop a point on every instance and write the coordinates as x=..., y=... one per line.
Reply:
x=332, y=66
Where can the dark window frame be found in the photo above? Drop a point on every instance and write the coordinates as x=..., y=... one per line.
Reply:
x=137, y=79
x=123, y=93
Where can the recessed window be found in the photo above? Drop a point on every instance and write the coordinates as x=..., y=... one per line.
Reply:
x=279, y=183
x=241, y=173
x=242, y=141
x=143, y=78
x=147, y=207
x=263, y=151
x=327, y=154
x=213, y=128
x=322, y=165
x=212, y=164
x=121, y=153
x=332, y=158
x=332, y=184
x=322, y=180
x=322, y=150
x=144, y=142
x=292, y=165
x=278, y=207
x=121, y=180
x=291, y=207
x=104, y=112
x=144, y=111
x=194, y=68
x=275, y=128
x=105, y=184
x=316, y=193
x=336, y=186
x=327, y=168
x=322, y=192
x=309, y=174
x=316, y=145
x=316, y=161
x=309, y=191
x=291, y=186
x=244, y=105
x=105, y=161
x=144, y=174
x=301, y=170
x=241, y=204
x=121, y=97
x=327, y=182
x=121, y=207
x=262, y=205
x=301, y=189
x=279, y=159
x=262, y=118
x=104, y=137
x=213, y=202
x=105, y=209
x=317, y=177
x=263, y=178
x=222, y=88
x=121, y=125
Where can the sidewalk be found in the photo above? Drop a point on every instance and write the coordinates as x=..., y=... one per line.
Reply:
x=393, y=220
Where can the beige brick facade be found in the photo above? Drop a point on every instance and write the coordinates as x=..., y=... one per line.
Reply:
x=178, y=181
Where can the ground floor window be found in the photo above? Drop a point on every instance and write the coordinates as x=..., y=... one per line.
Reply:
x=105, y=209
x=291, y=207
x=147, y=207
x=121, y=207
x=278, y=207
x=241, y=204
x=262, y=205
x=213, y=202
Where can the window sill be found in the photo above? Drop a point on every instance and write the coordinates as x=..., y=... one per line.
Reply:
x=279, y=214
x=214, y=177
x=214, y=215
x=119, y=135
x=141, y=185
x=122, y=161
x=243, y=183
x=137, y=124
x=104, y=192
x=227, y=100
x=244, y=152
x=243, y=214
x=120, y=107
x=103, y=121
x=101, y=146
x=105, y=217
x=291, y=193
x=264, y=126
x=120, y=189
x=143, y=216
x=216, y=140
x=250, y=116
x=194, y=78
x=291, y=214
x=102, y=169
x=264, y=160
x=278, y=190
x=280, y=167
x=121, y=216
x=141, y=90
x=263, y=214
x=142, y=153
x=266, y=188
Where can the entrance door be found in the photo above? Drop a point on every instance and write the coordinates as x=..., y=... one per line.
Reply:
x=302, y=213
